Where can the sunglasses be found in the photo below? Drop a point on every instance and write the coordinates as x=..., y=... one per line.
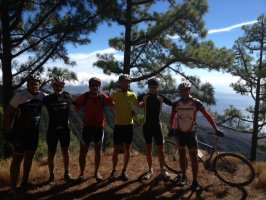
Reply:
x=59, y=86
x=94, y=85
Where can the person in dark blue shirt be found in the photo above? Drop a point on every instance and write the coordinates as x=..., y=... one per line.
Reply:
x=152, y=127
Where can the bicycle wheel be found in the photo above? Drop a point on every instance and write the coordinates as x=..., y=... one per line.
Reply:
x=171, y=156
x=233, y=169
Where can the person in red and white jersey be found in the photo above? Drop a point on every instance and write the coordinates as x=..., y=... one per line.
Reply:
x=183, y=121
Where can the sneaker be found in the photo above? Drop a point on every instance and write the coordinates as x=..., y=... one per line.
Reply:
x=183, y=181
x=51, y=179
x=125, y=176
x=165, y=174
x=148, y=175
x=28, y=186
x=195, y=185
x=98, y=177
x=112, y=175
x=68, y=177
x=80, y=178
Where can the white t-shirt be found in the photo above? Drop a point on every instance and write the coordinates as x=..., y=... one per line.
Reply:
x=24, y=96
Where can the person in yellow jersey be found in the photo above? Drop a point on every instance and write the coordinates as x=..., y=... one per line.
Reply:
x=123, y=123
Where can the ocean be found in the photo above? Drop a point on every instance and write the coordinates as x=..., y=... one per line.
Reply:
x=224, y=100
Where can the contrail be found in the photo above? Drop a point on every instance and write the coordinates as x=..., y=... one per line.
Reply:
x=226, y=29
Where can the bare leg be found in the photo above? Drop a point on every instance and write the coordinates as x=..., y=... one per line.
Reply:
x=65, y=154
x=126, y=156
x=97, y=157
x=194, y=163
x=50, y=160
x=161, y=156
x=28, y=156
x=82, y=157
x=115, y=156
x=149, y=155
x=182, y=159
x=15, y=169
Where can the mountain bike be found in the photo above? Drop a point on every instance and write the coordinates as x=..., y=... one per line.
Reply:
x=231, y=168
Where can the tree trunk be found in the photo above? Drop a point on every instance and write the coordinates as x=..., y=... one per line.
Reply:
x=127, y=52
x=253, y=152
x=6, y=61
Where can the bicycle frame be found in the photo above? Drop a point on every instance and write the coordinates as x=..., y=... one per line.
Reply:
x=229, y=167
x=213, y=150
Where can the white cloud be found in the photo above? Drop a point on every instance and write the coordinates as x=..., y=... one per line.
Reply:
x=84, y=61
x=230, y=28
x=83, y=77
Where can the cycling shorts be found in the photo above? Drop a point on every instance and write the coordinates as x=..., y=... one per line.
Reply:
x=61, y=135
x=188, y=139
x=123, y=134
x=90, y=133
x=153, y=131
x=25, y=142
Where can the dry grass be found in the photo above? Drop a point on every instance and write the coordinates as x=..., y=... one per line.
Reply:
x=260, y=169
x=39, y=172
x=155, y=188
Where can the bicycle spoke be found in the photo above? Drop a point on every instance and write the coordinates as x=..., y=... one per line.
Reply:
x=233, y=169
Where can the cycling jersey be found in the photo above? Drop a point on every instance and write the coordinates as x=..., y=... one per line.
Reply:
x=27, y=120
x=184, y=112
x=28, y=107
x=123, y=106
x=58, y=108
x=93, y=108
x=153, y=107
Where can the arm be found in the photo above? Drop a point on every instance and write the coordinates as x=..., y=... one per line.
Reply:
x=44, y=122
x=8, y=118
x=141, y=100
x=136, y=101
x=210, y=119
x=167, y=101
x=78, y=103
x=108, y=102
x=172, y=117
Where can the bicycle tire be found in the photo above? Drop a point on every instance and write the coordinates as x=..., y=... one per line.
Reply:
x=233, y=169
x=171, y=156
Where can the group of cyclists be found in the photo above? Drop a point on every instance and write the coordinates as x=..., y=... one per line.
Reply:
x=23, y=115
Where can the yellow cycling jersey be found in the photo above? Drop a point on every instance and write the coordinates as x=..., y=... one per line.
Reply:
x=123, y=106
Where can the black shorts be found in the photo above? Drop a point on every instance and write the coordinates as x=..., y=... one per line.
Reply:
x=25, y=141
x=92, y=133
x=123, y=134
x=150, y=131
x=188, y=139
x=61, y=135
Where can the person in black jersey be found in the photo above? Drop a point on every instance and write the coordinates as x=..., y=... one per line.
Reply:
x=58, y=104
x=22, y=119
x=152, y=127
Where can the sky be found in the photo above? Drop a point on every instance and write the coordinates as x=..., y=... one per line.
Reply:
x=223, y=21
